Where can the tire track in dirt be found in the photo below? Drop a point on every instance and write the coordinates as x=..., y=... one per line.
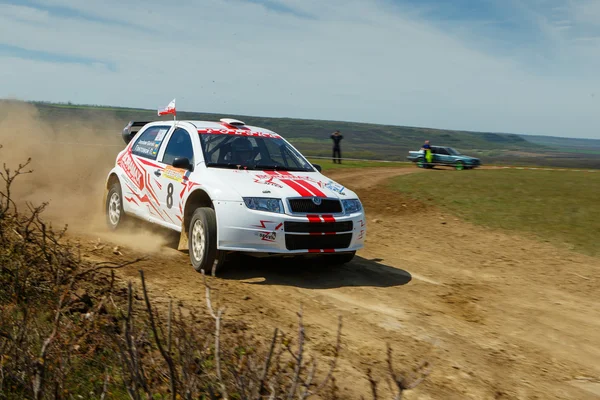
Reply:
x=509, y=317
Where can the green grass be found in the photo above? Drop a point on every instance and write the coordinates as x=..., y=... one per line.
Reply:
x=558, y=206
x=328, y=164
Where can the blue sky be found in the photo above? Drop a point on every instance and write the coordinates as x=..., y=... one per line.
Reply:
x=522, y=66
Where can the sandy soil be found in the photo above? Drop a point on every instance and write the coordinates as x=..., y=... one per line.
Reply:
x=499, y=316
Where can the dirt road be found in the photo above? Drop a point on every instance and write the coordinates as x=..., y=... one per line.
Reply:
x=500, y=316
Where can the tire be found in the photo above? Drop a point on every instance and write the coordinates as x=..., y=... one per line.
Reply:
x=113, y=209
x=339, y=259
x=202, y=242
x=459, y=166
x=420, y=162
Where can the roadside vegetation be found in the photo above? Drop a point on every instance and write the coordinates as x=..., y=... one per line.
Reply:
x=361, y=140
x=70, y=328
x=560, y=206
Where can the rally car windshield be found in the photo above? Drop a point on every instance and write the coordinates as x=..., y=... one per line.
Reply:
x=251, y=152
x=453, y=151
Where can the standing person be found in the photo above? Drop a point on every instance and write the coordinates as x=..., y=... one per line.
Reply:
x=337, y=138
x=427, y=150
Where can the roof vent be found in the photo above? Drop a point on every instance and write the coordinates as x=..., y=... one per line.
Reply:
x=233, y=122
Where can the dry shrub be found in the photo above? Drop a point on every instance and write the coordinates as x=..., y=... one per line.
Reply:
x=70, y=329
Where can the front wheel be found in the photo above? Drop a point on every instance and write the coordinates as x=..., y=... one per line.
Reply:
x=202, y=243
x=459, y=166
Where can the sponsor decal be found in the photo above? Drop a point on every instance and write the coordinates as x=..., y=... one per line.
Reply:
x=267, y=236
x=266, y=180
x=175, y=174
x=271, y=235
x=305, y=186
x=160, y=136
x=132, y=171
x=240, y=132
x=335, y=187
x=144, y=147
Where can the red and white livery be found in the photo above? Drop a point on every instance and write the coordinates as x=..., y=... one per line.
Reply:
x=229, y=187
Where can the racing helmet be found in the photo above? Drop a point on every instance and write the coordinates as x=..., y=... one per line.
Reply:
x=241, y=150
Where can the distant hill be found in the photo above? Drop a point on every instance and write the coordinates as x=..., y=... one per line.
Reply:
x=363, y=140
x=589, y=146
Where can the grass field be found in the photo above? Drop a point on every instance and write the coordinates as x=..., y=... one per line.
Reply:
x=559, y=206
x=328, y=164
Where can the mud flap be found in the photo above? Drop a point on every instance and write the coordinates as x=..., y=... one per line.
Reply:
x=183, y=239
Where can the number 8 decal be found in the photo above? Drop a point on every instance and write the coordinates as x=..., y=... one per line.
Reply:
x=170, y=195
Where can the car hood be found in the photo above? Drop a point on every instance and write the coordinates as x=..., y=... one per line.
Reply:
x=280, y=184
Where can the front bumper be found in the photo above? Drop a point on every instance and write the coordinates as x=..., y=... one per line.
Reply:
x=242, y=229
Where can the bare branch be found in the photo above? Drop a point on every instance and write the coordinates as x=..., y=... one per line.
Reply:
x=263, y=378
x=299, y=360
x=40, y=365
x=166, y=356
x=217, y=318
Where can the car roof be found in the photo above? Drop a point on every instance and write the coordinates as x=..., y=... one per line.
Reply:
x=224, y=124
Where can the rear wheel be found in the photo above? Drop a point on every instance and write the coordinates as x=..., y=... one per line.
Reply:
x=202, y=242
x=115, y=216
x=421, y=163
x=459, y=165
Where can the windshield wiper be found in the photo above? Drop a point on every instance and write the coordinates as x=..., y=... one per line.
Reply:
x=225, y=165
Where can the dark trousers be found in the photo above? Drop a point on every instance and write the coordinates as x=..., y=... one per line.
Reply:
x=336, y=150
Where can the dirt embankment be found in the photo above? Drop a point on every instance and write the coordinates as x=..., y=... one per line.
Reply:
x=500, y=316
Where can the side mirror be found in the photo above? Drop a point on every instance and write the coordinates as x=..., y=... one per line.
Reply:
x=317, y=167
x=183, y=162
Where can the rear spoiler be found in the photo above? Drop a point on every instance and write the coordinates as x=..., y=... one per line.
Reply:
x=131, y=129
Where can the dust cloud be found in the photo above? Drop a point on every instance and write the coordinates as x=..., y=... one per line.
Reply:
x=70, y=159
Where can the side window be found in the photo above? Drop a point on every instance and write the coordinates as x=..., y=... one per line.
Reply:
x=442, y=151
x=180, y=145
x=149, y=142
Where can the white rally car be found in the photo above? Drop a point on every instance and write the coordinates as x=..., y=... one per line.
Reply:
x=228, y=187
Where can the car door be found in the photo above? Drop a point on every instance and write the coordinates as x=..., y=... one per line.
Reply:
x=174, y=179
x=442, y=156
x=138, y=186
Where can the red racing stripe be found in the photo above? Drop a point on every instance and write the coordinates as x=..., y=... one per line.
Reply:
x=328, y=218
x=299, y=189
x=328, y=251
x=315, y=191
x=131, y=200
x=144, y=161
x=314, y=218
x=314, y=250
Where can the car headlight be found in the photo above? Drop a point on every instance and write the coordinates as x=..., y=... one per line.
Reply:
x=264, y=204
x=351, y=206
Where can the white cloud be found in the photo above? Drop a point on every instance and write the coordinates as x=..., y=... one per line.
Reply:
x=343, y=60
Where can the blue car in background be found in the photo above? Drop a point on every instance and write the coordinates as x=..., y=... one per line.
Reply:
x=446, y=156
